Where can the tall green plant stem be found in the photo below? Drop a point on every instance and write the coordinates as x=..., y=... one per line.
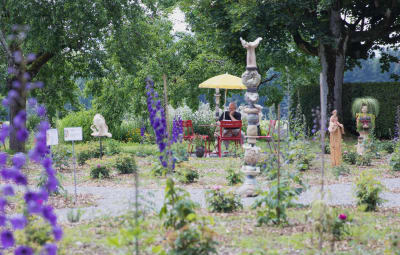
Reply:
x=278, y=210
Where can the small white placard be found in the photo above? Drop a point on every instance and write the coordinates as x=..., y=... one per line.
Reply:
x=51, y=137
x=73, y=134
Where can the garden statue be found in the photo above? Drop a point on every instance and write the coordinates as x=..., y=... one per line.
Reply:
x=364, y=110
x=99, y=126
x=251, y=79
x=335, y=138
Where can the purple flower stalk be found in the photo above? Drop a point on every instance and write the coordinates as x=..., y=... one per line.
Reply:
x=35, y=201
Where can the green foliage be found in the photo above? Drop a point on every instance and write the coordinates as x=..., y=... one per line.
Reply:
x=368, y=191
x=234, y=177
x=32, y=122
x=387, y=146
x=327, y=149
x=350, y=157
x=330, y=224
x=141, y=150
x=157, y=169
x=126, y=164
x=179, y=152
x=364, y=160
x=187, y=175
x=42, y=180
x=36, y=234
x=371, y=103
x=87, y=151
x=219, y=201
x=61, y=156
x=178, y=210
x=269, y=209
x=300, y=153
x=192, y=239
x=340, y=170
x=112, y=147
x=99, y=171
x=395, y=159
x=74, y=215
x=384, y=92
x=82, y=119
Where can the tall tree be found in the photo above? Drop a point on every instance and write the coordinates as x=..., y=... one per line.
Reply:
x=62, y=32
x=338, y=32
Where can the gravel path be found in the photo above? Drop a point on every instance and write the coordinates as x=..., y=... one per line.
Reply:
x=117, y=201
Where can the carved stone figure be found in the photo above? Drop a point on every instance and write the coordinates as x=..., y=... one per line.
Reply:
x=335, y=138
x=251, y=52
x=99, y=126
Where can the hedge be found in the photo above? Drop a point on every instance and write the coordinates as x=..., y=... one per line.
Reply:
x=387, y=93
x=82, y=119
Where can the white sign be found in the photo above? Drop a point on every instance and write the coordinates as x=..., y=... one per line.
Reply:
x=51, y=137
x=73, y=134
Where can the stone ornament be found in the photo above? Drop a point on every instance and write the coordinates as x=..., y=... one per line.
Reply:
x=251, y=51
x=99, y=126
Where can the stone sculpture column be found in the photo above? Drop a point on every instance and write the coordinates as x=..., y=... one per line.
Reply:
x=251, y=79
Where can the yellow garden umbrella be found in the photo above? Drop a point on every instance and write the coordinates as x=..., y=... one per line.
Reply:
x=223, y=81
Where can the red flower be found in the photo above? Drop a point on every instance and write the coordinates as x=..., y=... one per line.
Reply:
x=342, y=216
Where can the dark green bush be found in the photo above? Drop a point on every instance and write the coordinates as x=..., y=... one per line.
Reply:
x=340, y=170
x=99, y=172
x=368, y=191
x=364, y=160
x=88, y=151
x=187, y=175
x=387, y=146
x=112, y=147
x=385, y=92
x=219, y=201
x=395, y=162
x=234, y=177
x=82, y=119
x=32, y=122
x=350, y=157
x=126, y=165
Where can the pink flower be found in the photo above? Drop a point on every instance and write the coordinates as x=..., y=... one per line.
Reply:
x=98, y=166
x=345, y=152
x=342, y=216
x=217, y=188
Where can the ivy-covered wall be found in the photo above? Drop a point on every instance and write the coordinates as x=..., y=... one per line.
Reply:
x=387, y=93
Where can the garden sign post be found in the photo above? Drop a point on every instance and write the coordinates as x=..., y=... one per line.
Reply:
x=73, y=134
x=51, y=138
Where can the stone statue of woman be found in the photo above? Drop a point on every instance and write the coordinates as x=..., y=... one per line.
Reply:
x=335, y=138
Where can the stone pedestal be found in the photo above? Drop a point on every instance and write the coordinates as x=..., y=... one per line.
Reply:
x=251, y=79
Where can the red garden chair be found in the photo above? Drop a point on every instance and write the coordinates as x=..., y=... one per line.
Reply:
x=189, y=135
x=237, y=124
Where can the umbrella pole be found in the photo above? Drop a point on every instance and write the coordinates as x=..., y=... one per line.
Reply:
x=225, y=103
x=217, y=96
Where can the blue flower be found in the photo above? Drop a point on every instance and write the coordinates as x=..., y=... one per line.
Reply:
x=7, y=239
x=24, y=250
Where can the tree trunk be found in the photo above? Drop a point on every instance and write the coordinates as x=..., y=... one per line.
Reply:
x=16, y=105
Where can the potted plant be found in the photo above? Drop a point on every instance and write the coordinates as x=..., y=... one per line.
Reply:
x=199, y=145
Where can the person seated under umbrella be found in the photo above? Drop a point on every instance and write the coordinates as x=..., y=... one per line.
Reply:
x=233, y=115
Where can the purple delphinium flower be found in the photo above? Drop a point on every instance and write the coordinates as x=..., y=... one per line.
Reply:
x=50, y=249
x=18, y=222
x=8, y=191
x=142, y=130
x=24, y=250
x=35, y=201
x=7, y=239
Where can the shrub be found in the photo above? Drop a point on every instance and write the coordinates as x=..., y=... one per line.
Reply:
x=304, y=161
x=187, y=175
x=87, y=151
x=32, y=122
x=340, y=170
x=99, y=172
x=395, y=162
x=364, y=160
x=36, y=234
x=234, y=177
x=126, y=165
x=387, y=146
x=82, y=119
x=327, y=149
x=61, y=156
x=219, y=201
x=192, y=239
x=350, y=157
x=112, y=147
x=368, y=191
